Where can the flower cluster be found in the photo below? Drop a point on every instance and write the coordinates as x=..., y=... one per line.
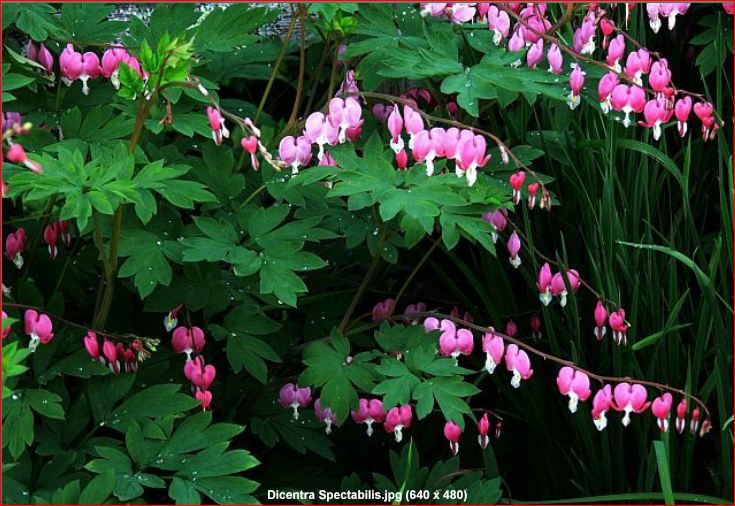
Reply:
x=51, y=236
x=76, y=66
x=555, y=285
x=117, y=356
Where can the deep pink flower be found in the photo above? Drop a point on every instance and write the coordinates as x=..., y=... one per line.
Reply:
x=382, y=111
x=617, y=323
x=498, y=220
x=655, y=113
x=50, y=237
x=453, y=342
x=584, y=37
x=452, y=432
x=575, y=384
x=110, y=64
x=459, y=13
x=601, y=404
x=187, y=340
x=729, y=7
x=499, y=22
x=483, y=427
x=605, y=89
x=344, y=113
x=694, y=422
x=250, y=144
x=16, y=154
x=576, y=82
x=511, y=329
x=654, y=10
x=395, y=127
x=200, y=374
x=516, y=182
x=559, y=287
x=292, y=396
x=532, y=190
x=295, y=152
x=205, y=398
x=38, y=327
x=15, y=244
x=397, y=419
x=672, y=9
x=318, y=130
x=535, y=54
x=494, y=348
x=5, y=329
x=431, y=324
x=600, y=319
x=470, y=155
x=615, y=52
x=660, y=408
x=628, y=99
x=325, y=415
x=705, y=112
x=630, y=399
x=92, y=345
x=517, y=361
x=70, y=63
x=514, y=246
x=681, y=416
x=402, y=159
x=41, y=55
x=660, y=75
x=682, y=108
x=543, y=284
x=413, y=122
x=217, y=123
x=412, y=310
x=369, y=412
x=637, y=64
x=555, y=59
x=109, y=350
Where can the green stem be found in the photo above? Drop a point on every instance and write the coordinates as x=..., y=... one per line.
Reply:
x=302, y=65
x=276, y=66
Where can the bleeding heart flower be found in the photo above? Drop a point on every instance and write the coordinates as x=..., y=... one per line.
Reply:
x=452, y=432
x=615, y=52
x=325, y=415
x=543, y=284
x=514, y=246
x=575, y=384
x=576, y=82
x=383, y=310
x=397, y=419
x=494, y=348
x=601, y=404
x=619, y=327
x=681, y=416
x=292, y=396
x=15, y=244
x=660, y=408
x=109, y=350
x=516, y=182
x=205, y=399
x=600, y=319
x=38, y=327
x=92, y=345
x=555, y=59
x=369, y=412
x=630, y=399
x=682, y=108
x=187, y=340
x=483, y=427
x=517, y=361
x=50, y=237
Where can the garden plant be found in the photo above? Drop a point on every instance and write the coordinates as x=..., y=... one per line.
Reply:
x=382, y=253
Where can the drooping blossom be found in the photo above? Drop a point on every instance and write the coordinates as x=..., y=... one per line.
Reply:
x=483, y=427
x=516, y=182
x=199, y=373
x=459, y=12
x=514, y=247
x=397, y=419
x=109, y=350
x=217, y=123
x=601, y=404
x=705, y=112
x=576, y=82
x=470, y=155
x=382, y=111
x=402, y=159
x=325, y=415
x=395, y=127
x=16, y=154
x=628, y=99
x=70, y=63
x=344, y=113
x=575, y=384
x=660, y=408
x=250, y=144
x=600, y=320
x=517, y=362
x=383, y=310
x=559, y=286
x=615, y=52
x=431, y=324
x=413, y=122
x=110, y=64
x=295, y=152
x=656, y=113
x=5, y=329
x=659, y=77
x=543, y=283
x=452, y=432
x=318, y=130
x=682, y=108
x=369, y=412
x=50, y=237
x=681, y=416
x=92, y=345
x=499, y=22
x=15, y=244
x=494, y=348
x=454, y=342
x=637, y=64
x=171, y=319
x=511, y=329
x=532, y=190
x=412, y=310
x=38, y=327
x=187, y=340
x=536, y=326
x=694, y=421
x=41, y=55
x=294, y=397
x=619, y=327
x=583, y=40
x=205, y=398
x=555, y=59
x=605, y=88
x=498, y=220
x=535, y=54
x=630, y=399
